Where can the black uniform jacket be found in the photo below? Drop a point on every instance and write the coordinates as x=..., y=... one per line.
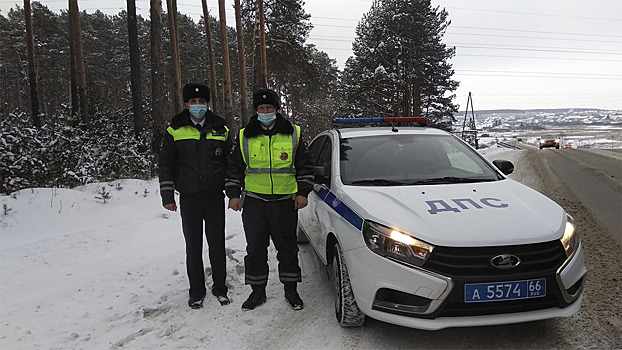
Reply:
x=193, y=166
x=237, y=166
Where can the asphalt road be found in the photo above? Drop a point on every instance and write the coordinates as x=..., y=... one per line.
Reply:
x=595, y=177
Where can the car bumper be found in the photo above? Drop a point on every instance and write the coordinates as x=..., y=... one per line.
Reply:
x=549, y=144
x=369, y=273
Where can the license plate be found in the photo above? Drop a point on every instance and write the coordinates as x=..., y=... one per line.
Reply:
x=483, y=292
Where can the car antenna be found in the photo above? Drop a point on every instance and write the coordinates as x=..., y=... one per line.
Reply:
x=393, y=128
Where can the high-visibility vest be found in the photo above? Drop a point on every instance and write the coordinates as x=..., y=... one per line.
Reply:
x=188, y=132
x=270, y=162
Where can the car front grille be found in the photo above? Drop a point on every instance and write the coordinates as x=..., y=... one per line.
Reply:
x=472, y=265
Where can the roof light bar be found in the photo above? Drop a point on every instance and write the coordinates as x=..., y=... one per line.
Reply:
x=378, y=120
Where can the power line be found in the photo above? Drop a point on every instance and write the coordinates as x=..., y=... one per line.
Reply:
x=541, y=58
x=482, y=46
x=538, y=14
x=327, y=38
x=351, y=38
x=536, y=31
x=537, y=37
x=545, y=73
x=519, y=75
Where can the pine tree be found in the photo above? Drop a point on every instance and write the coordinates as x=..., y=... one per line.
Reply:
x=400, y=65
x=134, y=54
x=32, y=74
x=13, y=79
x=74, y=22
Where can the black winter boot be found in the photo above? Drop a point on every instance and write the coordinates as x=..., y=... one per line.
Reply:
x=195, y=303
x=292, y=297
x=257, y=298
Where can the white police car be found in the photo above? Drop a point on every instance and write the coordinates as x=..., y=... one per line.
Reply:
x=419, y=230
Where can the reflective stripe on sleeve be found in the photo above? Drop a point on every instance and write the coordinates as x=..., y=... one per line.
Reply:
x=269, y=171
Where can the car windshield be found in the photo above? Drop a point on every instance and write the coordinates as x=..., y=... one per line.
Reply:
x=408, y=159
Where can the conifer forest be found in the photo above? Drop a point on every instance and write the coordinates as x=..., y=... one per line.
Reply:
x=87, y=96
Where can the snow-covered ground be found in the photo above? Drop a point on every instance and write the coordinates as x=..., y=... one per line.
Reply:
x=78, y=273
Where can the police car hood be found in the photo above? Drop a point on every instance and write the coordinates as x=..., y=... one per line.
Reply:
x=479, y=214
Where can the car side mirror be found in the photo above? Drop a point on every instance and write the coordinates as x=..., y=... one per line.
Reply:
x=505, y=166
x=320, y=174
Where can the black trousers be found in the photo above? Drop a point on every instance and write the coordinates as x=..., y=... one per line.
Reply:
x=208, y=207
x=264, y=220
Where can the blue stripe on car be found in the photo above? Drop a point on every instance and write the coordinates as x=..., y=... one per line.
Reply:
x=338, y=206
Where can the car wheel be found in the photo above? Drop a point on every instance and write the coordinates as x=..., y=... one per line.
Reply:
x=347, y=312
x=300, y=236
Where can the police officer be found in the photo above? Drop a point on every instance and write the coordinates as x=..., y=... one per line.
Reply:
x=272, y=163
x=193, y=161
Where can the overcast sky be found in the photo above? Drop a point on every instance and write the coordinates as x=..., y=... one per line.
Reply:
x=509, y=54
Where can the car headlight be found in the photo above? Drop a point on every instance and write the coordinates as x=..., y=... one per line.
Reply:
x=570, y=240
x=392, y=243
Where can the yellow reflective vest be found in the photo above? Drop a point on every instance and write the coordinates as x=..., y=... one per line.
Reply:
x=270, y=162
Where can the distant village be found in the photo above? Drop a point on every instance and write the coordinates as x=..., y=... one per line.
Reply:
x=579, y=128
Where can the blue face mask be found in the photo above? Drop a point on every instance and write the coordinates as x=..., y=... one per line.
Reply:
x=197, y=111
x=266, y=118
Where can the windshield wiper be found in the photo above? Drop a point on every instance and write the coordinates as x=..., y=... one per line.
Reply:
x=449, y=180
x=378, y=182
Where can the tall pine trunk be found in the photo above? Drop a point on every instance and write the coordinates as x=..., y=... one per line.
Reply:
x=74, y=16
x=74, y=100
x=227, y=100
x=241, y=63
x=262, y=35
x=176, y=98
x=210, y=54
x=137, y=99
x=257, y=83
x=32, y=76
x=158, y=107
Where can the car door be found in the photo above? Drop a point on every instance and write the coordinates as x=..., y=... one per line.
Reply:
x=320, y=210
x=307, y=217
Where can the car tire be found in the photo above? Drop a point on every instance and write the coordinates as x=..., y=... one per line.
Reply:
x=347, y=311
x=301, y=238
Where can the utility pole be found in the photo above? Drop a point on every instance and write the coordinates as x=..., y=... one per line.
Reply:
x=469, y=135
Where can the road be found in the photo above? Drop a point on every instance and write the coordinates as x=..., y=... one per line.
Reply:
x=595, y=176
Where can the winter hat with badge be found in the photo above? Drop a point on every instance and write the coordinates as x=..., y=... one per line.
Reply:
x=266, y=97
x=195, y=90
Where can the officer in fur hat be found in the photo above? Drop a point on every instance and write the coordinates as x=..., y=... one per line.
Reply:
x=273, y=165
x=193, y=159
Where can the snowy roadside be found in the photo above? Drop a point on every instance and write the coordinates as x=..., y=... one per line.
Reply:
x=80, y=274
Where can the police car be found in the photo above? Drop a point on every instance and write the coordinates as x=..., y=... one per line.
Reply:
x=417, y=229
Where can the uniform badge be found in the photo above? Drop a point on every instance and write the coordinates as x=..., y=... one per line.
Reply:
x=218, y=152
x=284, y=156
